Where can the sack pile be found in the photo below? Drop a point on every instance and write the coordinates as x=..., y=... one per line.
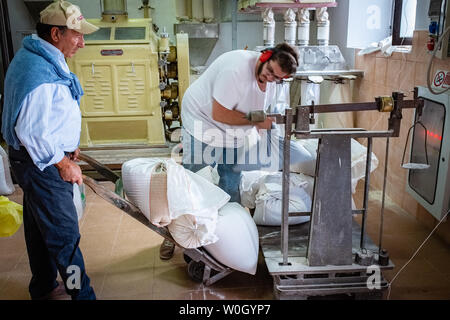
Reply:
x=195, y=211
x=262, y=190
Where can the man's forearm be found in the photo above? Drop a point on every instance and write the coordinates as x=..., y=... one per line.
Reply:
x=227, y=116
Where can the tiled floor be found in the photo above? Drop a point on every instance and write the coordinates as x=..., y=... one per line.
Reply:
x=122, y=260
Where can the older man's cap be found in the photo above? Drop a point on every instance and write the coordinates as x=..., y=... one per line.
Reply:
x=63, y=13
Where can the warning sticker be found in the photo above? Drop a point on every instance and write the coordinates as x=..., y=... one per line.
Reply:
x=442, y=79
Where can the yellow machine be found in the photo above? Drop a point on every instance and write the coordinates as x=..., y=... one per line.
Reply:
x=132, y=79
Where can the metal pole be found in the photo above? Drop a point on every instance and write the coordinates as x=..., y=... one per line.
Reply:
x=366, y=191
x=285, y=187
x=234, y=25
x=383, y=196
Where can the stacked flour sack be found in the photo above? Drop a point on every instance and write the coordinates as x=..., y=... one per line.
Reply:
x=262, y=190
x=196, y=212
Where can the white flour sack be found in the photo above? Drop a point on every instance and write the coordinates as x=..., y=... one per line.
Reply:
x=269, y=199
x=169, y=195
x=249, y=187
x=358, y=156
x=238, y=242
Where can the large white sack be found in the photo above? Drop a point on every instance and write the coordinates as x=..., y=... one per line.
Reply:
x=238, y=243
x=6, y=185
x=193, y=232
x=358, y=160
x=193, y=202
x=136, y=175
x=79, y=199
x=249, y=186
x=269, y=199
x=187, y=192
x=265, y=153
x=210, y=174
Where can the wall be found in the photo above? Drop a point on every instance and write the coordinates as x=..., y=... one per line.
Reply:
x=250, y=30
x=384, y=75
x=163, y=15
x=20, y=20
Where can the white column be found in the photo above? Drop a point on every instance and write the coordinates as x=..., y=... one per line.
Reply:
x=208, y=10
x=323, y=26
x=303, y=27
x=269, y=27
x=290, y=26
x=197, y=10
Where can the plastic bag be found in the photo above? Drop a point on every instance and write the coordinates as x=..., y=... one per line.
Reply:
x=79, y=199
x=6, y=184
x=11, y=217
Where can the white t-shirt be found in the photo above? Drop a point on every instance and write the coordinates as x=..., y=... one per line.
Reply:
x=231, y=81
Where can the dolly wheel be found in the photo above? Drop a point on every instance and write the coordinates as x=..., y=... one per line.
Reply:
x=187, y=258
x=196, y=270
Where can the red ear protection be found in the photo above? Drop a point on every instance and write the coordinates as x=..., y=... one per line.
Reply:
x=266, y=54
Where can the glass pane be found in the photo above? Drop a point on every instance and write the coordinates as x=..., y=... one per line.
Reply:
x=424, y=181
x=408, y=20
x=101, y=34
x=130, y=33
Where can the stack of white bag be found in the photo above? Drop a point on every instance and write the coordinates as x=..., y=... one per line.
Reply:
x=358, y=158
x=199, y=212
x=192, y=201
x=262, y=190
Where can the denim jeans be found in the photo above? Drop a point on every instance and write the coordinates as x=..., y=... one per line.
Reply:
x=51, y=229
x=225, y=158
x=266, y=155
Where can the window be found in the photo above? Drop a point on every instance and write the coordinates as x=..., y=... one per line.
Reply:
x=101, y=34
x=370, y=21
x=404, y=22
x=130, y=33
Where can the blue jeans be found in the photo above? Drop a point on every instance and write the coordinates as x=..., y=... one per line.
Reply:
x=229, y=172
x=266, y=155
x=51, y=229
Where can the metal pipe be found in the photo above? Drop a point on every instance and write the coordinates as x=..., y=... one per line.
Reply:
x=234, y=25
x=366, y=191
x=353, y=134
x=383, y=196
x=285, y=187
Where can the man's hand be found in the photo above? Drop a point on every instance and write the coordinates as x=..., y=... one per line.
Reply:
x=267, y=124
x=74, y=155
x=69, y=171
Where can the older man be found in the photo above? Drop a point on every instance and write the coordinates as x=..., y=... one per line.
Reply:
x=41, y=123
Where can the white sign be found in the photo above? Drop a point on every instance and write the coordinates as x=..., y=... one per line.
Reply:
x=441, y=79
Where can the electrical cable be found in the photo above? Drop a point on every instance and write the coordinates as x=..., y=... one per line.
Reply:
x=414, y=255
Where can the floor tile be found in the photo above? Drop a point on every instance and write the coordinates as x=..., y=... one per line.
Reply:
x=122, y=259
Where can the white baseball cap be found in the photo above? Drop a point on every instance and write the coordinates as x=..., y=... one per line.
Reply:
x=63, y=13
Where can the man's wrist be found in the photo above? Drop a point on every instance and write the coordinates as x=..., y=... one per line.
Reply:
x=63, y=163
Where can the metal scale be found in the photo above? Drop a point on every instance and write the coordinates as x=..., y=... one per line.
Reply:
x=330, y=255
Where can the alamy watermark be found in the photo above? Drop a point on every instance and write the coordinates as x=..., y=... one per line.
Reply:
x=374, y=279
x=74, y=279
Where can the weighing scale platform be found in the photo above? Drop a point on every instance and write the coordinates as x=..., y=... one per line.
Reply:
x=298, y=280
